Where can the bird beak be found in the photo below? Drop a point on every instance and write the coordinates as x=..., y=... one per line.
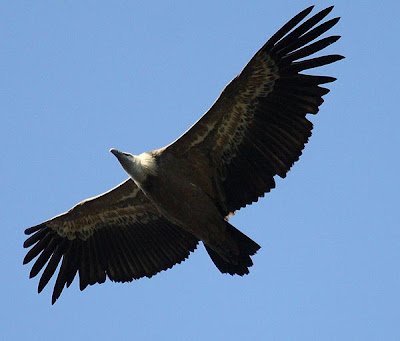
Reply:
x=123, y=158
x=126, y=160
x=116, y=152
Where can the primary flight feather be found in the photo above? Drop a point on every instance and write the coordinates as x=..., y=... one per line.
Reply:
x=183, y=193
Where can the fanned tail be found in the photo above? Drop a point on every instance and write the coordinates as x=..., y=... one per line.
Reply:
x=247, y=247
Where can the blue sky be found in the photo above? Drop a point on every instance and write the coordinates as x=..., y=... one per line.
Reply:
x=80, y=78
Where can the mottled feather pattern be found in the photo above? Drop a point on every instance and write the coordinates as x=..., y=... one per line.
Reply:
x=260, y=118
x=255, y=130
x=122, y=253
x=125, y=240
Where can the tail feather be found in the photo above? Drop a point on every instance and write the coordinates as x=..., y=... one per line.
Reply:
x=247, y=248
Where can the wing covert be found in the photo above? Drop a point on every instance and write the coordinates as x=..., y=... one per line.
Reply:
x=258, y=128
x=119, y=235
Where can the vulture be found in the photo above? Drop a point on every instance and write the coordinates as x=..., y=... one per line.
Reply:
x=184, y=193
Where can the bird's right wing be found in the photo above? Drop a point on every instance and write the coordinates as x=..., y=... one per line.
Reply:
x=119, y=235
x=258, y=128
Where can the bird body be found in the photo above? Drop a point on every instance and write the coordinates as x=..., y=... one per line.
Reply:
x=175, y=188
x=185, y=192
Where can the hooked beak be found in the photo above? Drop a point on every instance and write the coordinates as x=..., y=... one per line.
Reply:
x=116, y=152
x=121, y=156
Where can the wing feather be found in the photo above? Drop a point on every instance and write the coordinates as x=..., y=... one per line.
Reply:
x=52, y=265
x=291, y=39
x=119, y=235
x=258, y=127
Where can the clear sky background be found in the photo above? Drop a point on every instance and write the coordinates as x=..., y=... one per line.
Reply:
x=80, y=77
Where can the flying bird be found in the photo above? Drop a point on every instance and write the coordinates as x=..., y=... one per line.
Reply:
x=184, y=193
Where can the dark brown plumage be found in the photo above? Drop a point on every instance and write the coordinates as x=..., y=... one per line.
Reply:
x=184, y=192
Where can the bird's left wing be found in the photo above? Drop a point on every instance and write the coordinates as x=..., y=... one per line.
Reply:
x=118, y=234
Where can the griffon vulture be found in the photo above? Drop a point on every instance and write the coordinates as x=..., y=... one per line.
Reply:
x=183, y=193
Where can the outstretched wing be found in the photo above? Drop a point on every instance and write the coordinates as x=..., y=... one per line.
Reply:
x=119, y=235
x=258, y=128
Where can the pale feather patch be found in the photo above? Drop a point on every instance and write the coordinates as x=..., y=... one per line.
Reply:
x=141, y=167
x=258, y=84
x=235, y=124
x=77, y=223
x=84, y=227
x=148, y=162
